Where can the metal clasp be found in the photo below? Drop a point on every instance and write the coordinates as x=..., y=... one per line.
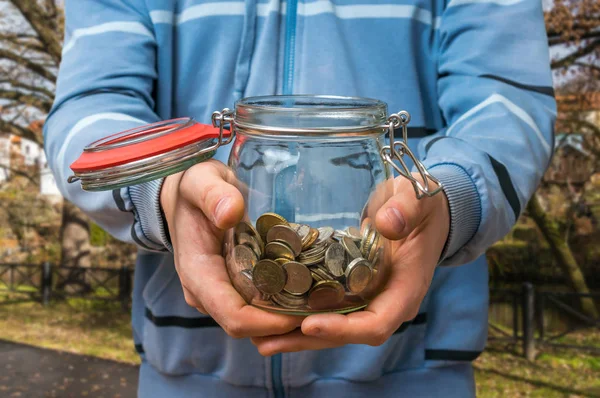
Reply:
x=397, y=149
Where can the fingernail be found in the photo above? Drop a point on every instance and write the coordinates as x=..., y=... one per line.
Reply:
x=313, y=331
x=221, y=209
x=396, y=219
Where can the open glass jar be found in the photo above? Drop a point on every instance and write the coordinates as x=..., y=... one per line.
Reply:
x=313, y=171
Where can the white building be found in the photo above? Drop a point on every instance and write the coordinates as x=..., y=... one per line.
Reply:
x=17, y=152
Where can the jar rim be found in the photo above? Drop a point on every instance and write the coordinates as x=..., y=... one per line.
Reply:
x=310, y=115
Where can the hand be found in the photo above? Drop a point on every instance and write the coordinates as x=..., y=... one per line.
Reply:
x=199, y=205
x=418, y=230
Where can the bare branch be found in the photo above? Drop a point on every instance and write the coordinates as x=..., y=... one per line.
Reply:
x=26, y=99
x=554, y=40
x=35, y=89
x=571, y=58
x=26, y=63
x=39, y=21
x=13, y=128
x=588, y=66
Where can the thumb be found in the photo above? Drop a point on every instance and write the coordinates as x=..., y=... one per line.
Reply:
x=402, y=213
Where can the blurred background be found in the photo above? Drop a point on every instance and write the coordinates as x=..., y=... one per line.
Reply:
x=65, y=284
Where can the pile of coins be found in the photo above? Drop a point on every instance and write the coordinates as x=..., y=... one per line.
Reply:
x=295, y=265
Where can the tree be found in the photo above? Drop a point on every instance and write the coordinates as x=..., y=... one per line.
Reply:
x=31, y=33
x=574, y=32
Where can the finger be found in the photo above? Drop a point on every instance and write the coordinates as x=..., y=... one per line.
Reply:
x=210, y=187
x=401, y=213
x=291, y=342
x=397, y=303
x=206, y=279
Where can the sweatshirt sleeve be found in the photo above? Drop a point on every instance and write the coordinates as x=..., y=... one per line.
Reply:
x=495, y=92
x=105, y=85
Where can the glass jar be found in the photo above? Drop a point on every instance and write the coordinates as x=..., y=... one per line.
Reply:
x=313, y=171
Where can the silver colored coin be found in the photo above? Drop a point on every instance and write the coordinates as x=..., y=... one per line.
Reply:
x=268, y=277
x=287, y=300
x=277, y=249
x=335, y=257
x=299, y=279
x=325, y=233
x=323, y=274
x=374, y=247
x=285, y=234
x=325, y=295
x=247, y=274
x=302, y=230
x=350, y=247
x=250, y=241
x=244, y=257
x=354, y=233
x=358, y=275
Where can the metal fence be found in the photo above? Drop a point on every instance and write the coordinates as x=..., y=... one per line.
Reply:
x=45, y=282
x=529, y=318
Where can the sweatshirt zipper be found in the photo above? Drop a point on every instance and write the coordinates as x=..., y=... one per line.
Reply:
x=288, y=85
x=290, y=46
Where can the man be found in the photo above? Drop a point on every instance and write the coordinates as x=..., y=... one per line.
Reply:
x=474, y=74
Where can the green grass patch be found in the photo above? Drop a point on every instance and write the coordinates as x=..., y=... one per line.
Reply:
x=80, y=326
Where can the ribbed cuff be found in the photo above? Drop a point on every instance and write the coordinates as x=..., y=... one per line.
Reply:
x=146, y=200
x=464, y=203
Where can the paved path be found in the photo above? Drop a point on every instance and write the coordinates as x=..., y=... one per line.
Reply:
x=27, y=371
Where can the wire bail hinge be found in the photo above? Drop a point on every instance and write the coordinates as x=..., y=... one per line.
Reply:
x=397, y=149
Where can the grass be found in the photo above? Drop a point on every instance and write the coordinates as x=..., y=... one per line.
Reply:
x=557, y=372
x=102, y=329
x=94, y=328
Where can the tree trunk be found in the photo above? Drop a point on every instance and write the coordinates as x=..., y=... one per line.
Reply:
x=562, y=252
x=75, y=237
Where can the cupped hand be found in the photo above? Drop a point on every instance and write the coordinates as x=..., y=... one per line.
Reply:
x=200, y=204
x=418, y=229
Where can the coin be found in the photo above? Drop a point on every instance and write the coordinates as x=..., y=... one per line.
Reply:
x=247, y=228
x=316, y=276
x=325, y=233
x=247, y=274
x=287, y=235
x=299, y=279
x=335, y=257
x=250, y=241
x=351, y=247
x=368, y=242
x=372, y=250
x=358, y=275
x=325, y=295
x=287, y=300
x=354, y=233
x=322, y=273
x=267, y=221
x=275, y=250
x=282, y=261
x=244, y=257
x=268, y=277
x=311, y=237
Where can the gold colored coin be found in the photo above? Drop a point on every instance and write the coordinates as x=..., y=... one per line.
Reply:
x=287, y=235
x=299, y=279
x=358, y=275
x=244, y=257
x=275, y=250
x=310, y=238
x=268, y=277
x=282, y=261
x=325, y=295
x=267, y=221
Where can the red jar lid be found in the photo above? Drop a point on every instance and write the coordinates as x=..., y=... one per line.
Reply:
x=145, y=153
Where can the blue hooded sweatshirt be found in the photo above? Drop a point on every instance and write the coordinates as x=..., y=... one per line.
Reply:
x=474, y=75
